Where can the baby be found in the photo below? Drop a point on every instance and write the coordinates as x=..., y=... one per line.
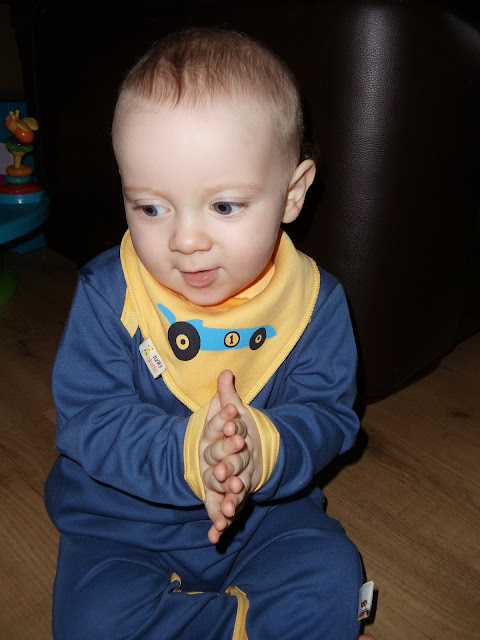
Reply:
x=206, y=373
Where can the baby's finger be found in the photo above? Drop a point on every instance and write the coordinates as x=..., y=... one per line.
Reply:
x=220, y=449
x=214, y=427
x=232, y=465
x=235, y=426
x=215, y=534
x=213, y=502
x=231, y=484
x=232, y=504
x=214, y=406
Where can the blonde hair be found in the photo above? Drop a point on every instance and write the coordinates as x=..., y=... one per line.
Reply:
x=201, y=64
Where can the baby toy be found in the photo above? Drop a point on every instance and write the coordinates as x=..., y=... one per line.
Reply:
x=24, y=204
x=19, y=181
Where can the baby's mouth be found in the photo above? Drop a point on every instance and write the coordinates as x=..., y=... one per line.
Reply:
x=199, y=278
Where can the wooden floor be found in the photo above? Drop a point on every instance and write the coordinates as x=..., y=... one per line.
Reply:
x=410, y=499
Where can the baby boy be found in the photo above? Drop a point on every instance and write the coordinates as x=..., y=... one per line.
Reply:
x=206, y=373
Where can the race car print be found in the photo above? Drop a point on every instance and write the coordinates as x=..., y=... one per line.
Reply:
x=187, y=337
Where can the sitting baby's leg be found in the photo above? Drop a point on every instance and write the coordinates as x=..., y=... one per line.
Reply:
x=301, y=575
x=109, y=591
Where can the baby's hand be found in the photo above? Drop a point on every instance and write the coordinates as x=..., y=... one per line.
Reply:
x=221, y=441
x=233, y=462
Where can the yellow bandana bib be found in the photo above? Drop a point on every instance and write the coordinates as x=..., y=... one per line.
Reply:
x=251, y=335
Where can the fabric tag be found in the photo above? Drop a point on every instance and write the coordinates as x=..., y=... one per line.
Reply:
x=365, y=599
x=152, y=359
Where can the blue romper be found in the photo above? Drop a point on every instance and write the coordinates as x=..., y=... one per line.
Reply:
x=134, y=559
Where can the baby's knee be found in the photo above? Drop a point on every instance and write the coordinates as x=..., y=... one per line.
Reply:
x=330, y=565
x=87, y=613
x=307, y=586
x=95, y=609
x=333, y=576
x=106, y=598
x=344, y=560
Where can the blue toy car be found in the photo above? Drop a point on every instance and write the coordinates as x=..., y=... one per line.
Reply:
x=187, y=337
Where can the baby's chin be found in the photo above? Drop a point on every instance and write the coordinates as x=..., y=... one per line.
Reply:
x=201, y=297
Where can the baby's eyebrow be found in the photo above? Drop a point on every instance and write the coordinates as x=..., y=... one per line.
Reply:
x=247, y=186
x=145, y=190
x=242, y=186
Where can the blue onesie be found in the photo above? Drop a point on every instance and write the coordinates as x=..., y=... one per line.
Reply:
x=126, y=493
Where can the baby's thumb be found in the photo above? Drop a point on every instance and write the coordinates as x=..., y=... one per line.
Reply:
x=226, y=389
x=214, y=406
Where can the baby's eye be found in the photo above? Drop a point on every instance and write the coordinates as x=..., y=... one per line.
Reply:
x=152, y=210
x=227, y=208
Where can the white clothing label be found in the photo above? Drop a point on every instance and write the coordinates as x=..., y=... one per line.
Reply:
x=365, y=599
x=152, y=359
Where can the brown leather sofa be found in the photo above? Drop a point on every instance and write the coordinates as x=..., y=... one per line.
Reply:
x=392, y=93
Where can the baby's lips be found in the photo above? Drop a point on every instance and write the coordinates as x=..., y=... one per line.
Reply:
x=199, y=278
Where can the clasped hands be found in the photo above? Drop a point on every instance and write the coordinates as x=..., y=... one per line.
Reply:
x=230, y=456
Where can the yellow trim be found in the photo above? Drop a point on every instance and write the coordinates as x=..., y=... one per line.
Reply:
x=270, y=442
x=191, y=452
x=129, y=317
x=176, y=578
x=240, y=628
x=129, y=277
x=295, y=337
x=178, y=393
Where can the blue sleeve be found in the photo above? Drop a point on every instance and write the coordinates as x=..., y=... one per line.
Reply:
x=311, y=404
x=104, y=422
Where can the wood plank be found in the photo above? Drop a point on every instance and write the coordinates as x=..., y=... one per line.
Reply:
x=31, y=325
x=27, y=556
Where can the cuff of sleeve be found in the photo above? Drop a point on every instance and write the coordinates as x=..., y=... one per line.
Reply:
x=270, y=441
x=191, y=448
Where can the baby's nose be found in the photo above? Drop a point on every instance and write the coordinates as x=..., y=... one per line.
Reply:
x=190, y=234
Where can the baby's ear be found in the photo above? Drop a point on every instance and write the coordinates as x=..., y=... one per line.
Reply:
x=301, y=180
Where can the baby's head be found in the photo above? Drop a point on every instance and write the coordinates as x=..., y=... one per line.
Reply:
x=202, y=66
x=208, y=134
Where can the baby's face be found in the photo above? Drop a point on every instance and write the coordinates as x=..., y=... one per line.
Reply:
x=204, y=192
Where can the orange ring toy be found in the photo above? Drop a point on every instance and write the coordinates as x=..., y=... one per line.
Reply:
x=22, y=170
